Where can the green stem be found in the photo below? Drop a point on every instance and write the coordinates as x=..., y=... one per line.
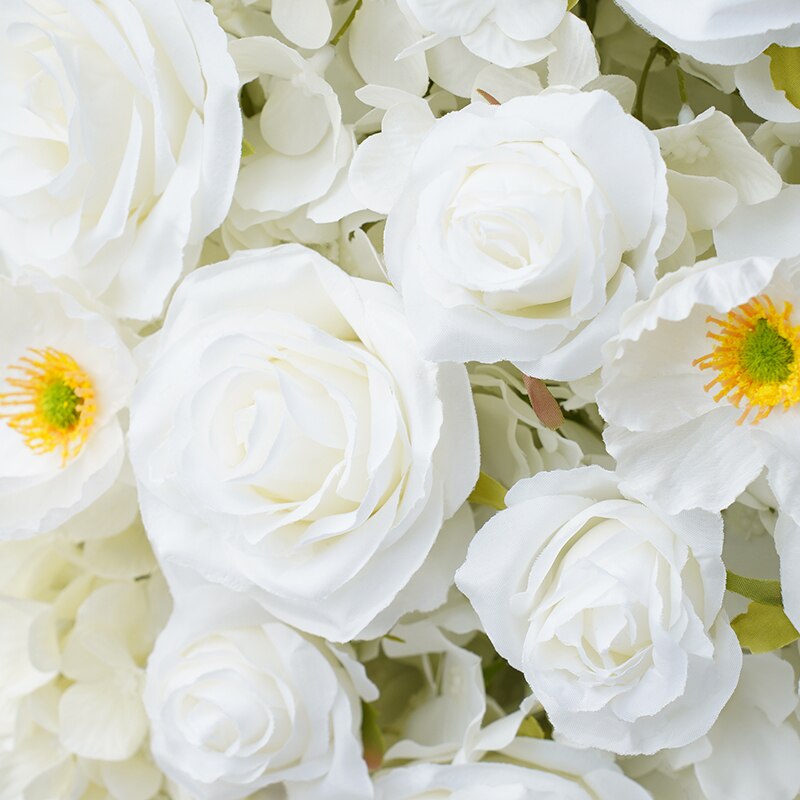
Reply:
x=761, y=591
x=684, y=95
x=588, y=11
x=347, y=23
x=638, y=104
x=489, y=492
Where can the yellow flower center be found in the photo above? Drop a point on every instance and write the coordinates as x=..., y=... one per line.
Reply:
x=53, y=403
x=757, y=358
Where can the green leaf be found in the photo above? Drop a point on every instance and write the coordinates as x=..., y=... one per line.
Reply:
x=784, y=69
x=489, y=492
x=763, y=628
x=371, y=736
x=247, y=148
x=765, y=592
x=531, y=728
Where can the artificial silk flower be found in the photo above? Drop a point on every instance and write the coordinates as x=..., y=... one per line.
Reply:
x=516, y=236
x=711, y=169
x=509, y=33
x=780, y=144
x=515, y=444
x=753, y=749
x=65, y=376
x=433, y=703
x=702, y=385
x=239, y=701
x=529, y=770
x=71, y=711
x=300, y=147
x=610, y=609
x=290, y=442
x=758, y=88
x=718, y=31
x=120, y=144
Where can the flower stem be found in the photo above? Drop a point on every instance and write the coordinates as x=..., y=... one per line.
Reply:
x=347, y=23
x=638, y=104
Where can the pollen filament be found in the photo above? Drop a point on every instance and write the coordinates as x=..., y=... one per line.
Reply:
x=53, y=404
x=756, y=357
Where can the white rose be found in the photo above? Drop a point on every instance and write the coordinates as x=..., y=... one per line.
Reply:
x=542, y=770
x=239, y=701
x=523, y=230
x=300, y=145
x=611, y=610
x=122, y=143
x=718, y=31
x=65, y=376
x=331, y=453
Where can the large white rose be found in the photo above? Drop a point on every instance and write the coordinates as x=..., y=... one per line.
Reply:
x=65, y=376
x=719, y=31
x=610, y=609
x=541, y=770
x=120, y=142
x=290, y=442
x=523, y=230
x=239, y=701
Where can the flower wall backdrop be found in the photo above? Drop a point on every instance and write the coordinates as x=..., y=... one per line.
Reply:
x=399, y=400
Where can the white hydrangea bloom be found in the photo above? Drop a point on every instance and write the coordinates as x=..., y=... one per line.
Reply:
x=711, y=169
x=73, y=668
x=301, y=147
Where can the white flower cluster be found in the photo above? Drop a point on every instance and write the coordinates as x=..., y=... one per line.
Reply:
x=399, y=400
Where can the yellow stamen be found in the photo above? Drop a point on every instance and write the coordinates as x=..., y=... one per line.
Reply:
x=757, y=358
x=53, y=405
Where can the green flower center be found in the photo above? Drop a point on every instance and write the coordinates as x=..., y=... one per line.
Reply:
x=766, y=356
x=59, y=405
